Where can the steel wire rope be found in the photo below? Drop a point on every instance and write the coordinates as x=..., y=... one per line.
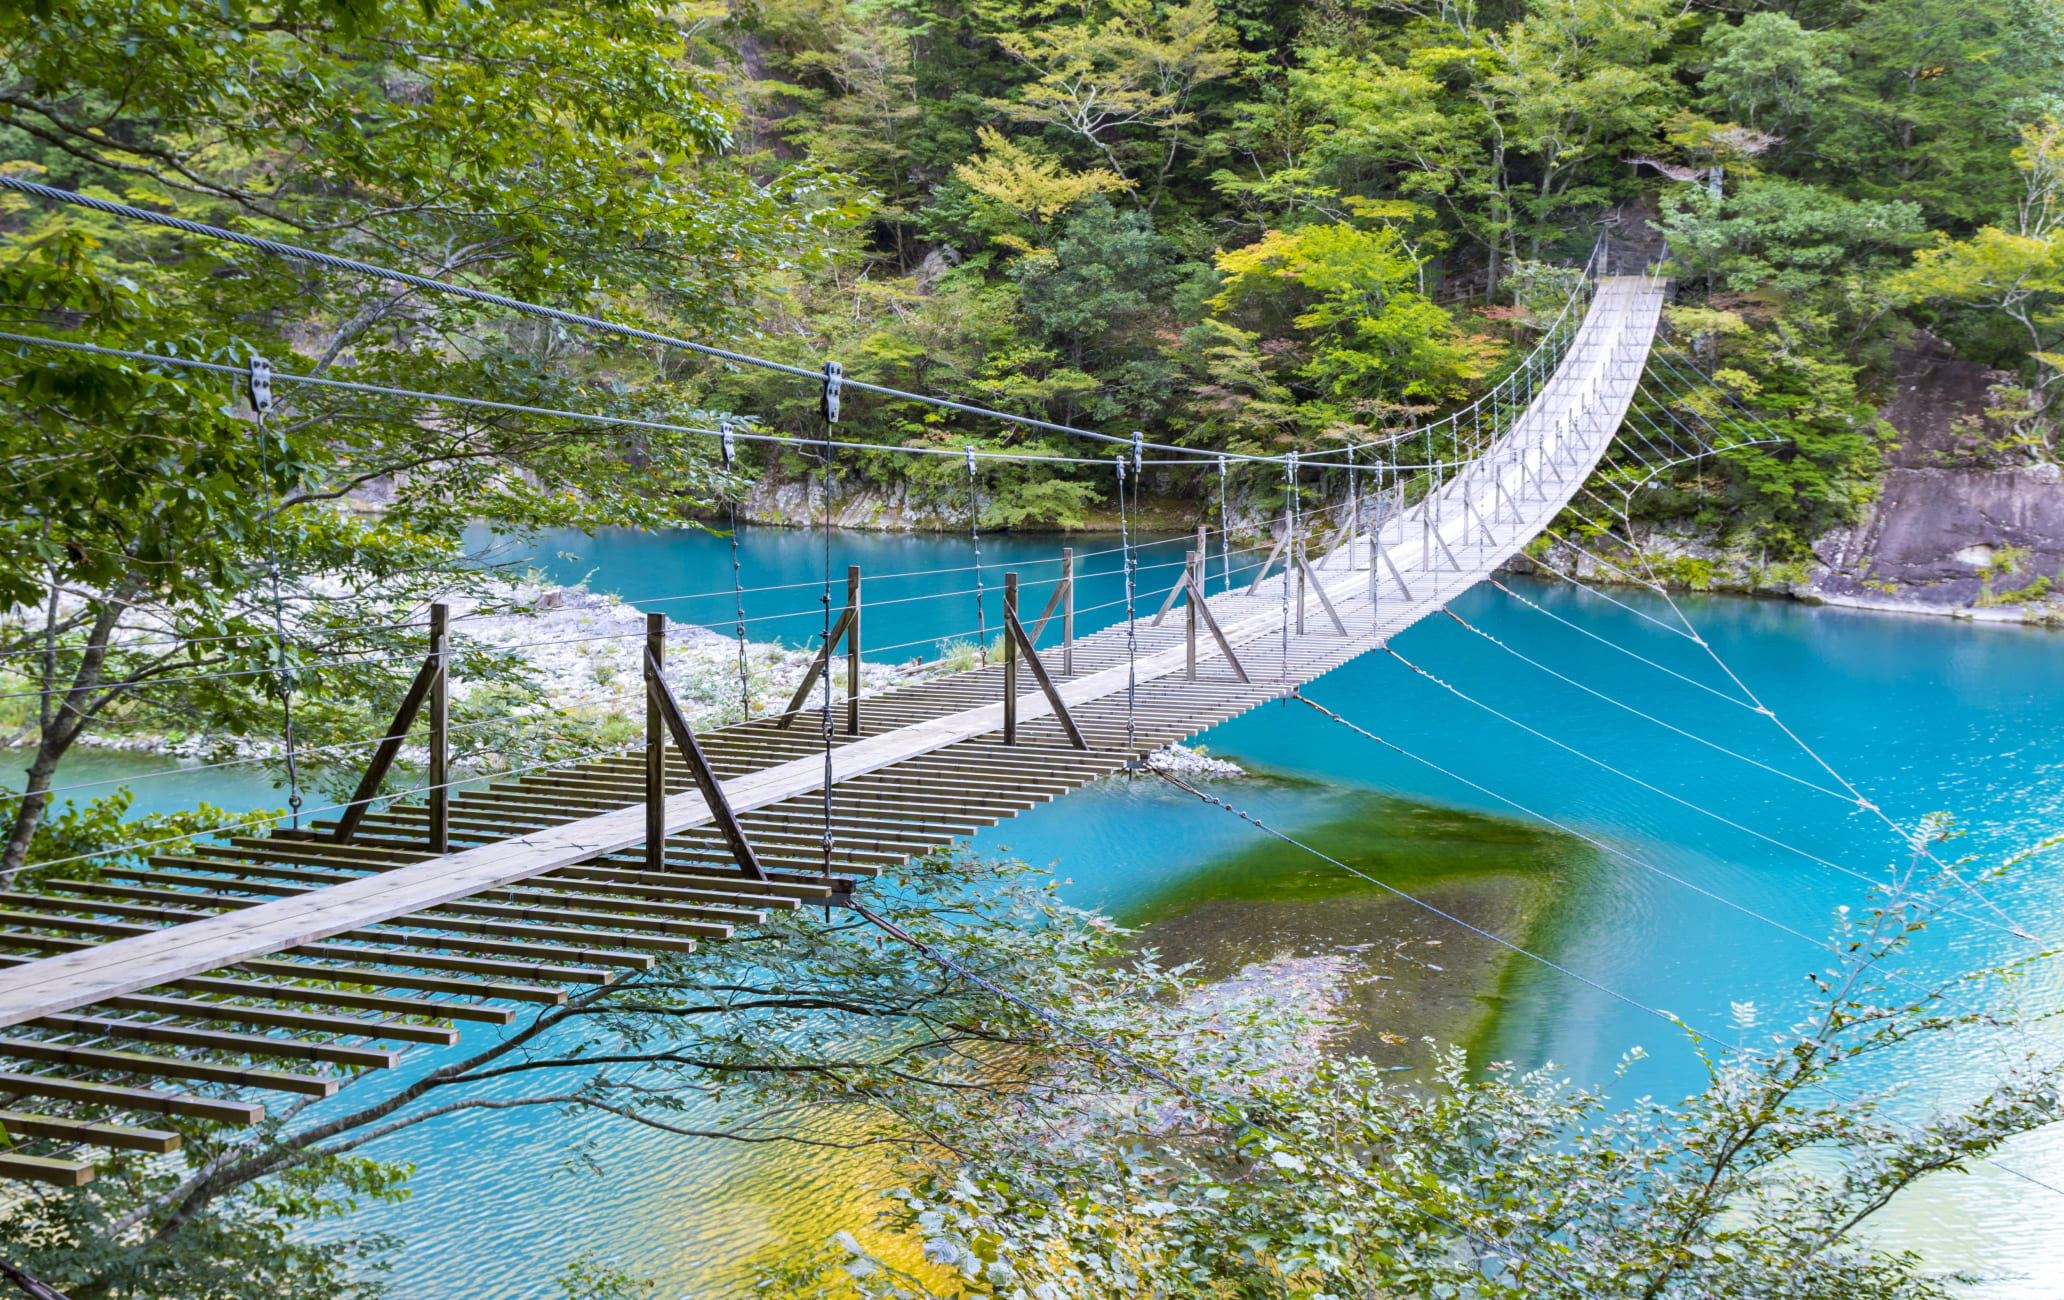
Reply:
x=517, y=408
x=1112, y=1052
x=1131, y=563
x=172, y=640
x=1575, y=627
x=187, y=769
x=328, y=261
x=737, y=571
x=832, y=382
x=1811, y=857
x=261, y=405
x=1225, y=529
x=1640, y=713
x=1600, y=844
x=975, y=539
x=1862, y=801
x=113, y=850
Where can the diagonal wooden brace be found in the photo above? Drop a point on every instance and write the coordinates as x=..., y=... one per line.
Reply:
x=705, y=777
x=1016, y=632
x=1274, y=551
x=390, y=745
x=1053, y=603
x=1325, y=602
x=802, y=692
x=1211, y=625
x=1181, y=585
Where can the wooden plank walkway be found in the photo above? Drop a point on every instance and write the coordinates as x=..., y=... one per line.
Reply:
x=235, y=957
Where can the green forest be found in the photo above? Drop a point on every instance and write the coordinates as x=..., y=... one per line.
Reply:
x=1247, y=227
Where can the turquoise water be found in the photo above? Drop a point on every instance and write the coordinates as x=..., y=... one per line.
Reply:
x=1922, y=715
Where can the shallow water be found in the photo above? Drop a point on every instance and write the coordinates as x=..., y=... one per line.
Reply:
x=1671, y=908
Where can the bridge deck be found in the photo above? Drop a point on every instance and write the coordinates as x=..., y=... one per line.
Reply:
x=235, y=957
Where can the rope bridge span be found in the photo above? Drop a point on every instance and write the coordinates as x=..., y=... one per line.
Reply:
x=236, y=960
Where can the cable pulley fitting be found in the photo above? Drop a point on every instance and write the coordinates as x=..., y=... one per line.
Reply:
x=834, y=379
x=260, y=383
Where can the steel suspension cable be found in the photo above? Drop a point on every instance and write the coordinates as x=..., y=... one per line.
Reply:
x=261, y=407
x=1225, y=528
x=975, y=537
x=328, y=261
x=737, y=575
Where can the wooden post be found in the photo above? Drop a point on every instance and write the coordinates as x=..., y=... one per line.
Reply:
x=1010, y=660
x=1068, y=612
x=1203, y=549
x=1190, y=575
x=853, y=651
x=655, y=744
x=440, y=730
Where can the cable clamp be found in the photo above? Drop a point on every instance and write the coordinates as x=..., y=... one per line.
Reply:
x=971, y=460
x=834, y=379
x=261, y=385
x=1138, y=440
x=724, y=442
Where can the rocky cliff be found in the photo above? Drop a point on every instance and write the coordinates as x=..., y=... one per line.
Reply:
x=1964, y=523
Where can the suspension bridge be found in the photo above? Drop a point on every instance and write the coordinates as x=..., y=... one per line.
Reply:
x=288, y=962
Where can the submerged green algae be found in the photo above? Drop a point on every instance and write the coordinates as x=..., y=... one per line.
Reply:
x=1409, y=971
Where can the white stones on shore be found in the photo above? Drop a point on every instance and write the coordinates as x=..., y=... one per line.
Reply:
x=585, y=651
x=1182, y=760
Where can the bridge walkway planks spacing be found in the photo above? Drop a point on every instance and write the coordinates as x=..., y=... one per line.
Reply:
x=282, y=964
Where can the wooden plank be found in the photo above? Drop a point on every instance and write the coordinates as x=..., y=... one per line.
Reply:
x=116, y=1096
x=45, y=1169
x=173, y=1035
x=96, y=1058
x=313, y=1022
x=86, y=1132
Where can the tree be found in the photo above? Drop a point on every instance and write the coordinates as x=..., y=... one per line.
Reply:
x=1768, y=62
x=1126, y=87
x=1359, y=334
x=1332, y=1179
x=570, y=156
x=2016, y=273
x=1033, y=188
x=1784, y=235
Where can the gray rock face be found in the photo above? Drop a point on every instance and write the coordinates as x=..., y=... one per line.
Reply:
x=1952, y=538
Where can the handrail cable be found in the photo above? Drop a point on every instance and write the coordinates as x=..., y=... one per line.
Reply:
x=328, y=261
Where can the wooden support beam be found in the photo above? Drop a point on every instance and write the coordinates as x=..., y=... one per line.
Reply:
x=240, y=1013
x=1190, y=630
x=1325, y=601
x=175, y=1035
x=45, y=1169
x=1274, y=551
x=1015, y=632
x=817, y=665
x=148, y=1100
x=390, y=745
x=655, y=742
x=167, y=1067
x=1010, y=661
x=853, y=651
x=88, y=1132
x=1224, y=647
x=705, y=779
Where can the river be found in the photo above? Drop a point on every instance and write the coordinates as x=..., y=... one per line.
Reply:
x=1920, y=714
